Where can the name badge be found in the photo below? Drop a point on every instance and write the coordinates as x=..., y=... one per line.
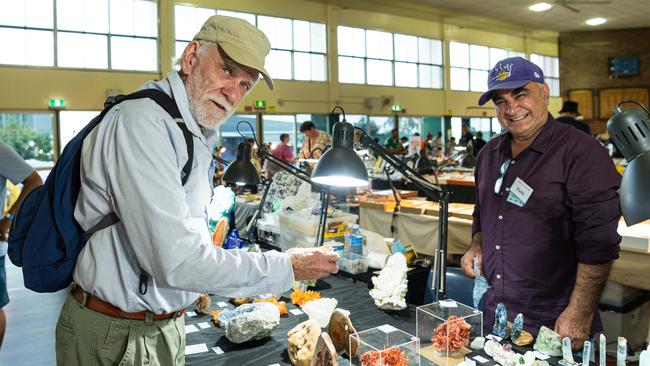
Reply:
x=520, y=192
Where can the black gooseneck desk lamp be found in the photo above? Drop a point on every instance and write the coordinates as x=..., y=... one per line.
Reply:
x=630, y=131
x=241, y=173
x=341, y=166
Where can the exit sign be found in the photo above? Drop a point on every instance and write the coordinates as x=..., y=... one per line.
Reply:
x=396, y=107
x=56, y=103
x=261, y=104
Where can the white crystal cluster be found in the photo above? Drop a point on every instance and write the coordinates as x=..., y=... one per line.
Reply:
x=391, y=284
x=250, y=321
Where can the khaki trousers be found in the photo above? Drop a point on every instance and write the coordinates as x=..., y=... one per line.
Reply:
x=86, y=337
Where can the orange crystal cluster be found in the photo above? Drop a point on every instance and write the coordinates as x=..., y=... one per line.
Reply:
x=388, y=357
x=452, y=335
x=281, y=305
x=215, y=315
x=300, y=297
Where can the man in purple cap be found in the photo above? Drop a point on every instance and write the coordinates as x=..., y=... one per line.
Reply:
x=546, y=212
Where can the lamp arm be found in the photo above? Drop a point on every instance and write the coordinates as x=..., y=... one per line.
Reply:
x=296, y=172
x=220, y=160
x=427, y=187
x=250, y=228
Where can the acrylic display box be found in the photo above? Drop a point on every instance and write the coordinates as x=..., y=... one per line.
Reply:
x=384, y=346
x=445, y=330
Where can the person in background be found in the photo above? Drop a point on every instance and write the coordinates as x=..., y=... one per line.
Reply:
x=314, y=143
x=569, y=114
x=438, y=145
x=282, y=152
x=546, y=213
x=451, y=145
x=404, y=143
x=134, y=278
x=393, y=144
x=466, y=137
x=16, y=170
x=478, y=142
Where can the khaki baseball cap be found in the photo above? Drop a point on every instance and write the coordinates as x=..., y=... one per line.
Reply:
x=241, y=41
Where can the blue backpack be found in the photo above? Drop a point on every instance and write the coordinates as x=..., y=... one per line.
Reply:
x=45, y=239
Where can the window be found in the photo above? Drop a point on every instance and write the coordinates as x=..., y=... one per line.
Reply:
x=408, y=126
x=489, y=127
x=229, y=138
x=86, y=33
x=551, y=68
x=30, y=135
x=298, y=47
x=275, y=125
x=70, y=123
x=471, y=64
x=383, y=58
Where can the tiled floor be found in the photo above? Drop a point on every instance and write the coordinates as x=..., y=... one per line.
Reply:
x=31, y=320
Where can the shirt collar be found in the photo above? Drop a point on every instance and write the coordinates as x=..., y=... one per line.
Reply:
x=541, y=142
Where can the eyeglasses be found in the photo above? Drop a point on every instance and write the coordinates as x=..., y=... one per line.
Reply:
x=502, y=175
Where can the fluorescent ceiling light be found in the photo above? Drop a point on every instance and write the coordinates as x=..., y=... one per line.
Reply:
x=539, y=7
x=596, y=21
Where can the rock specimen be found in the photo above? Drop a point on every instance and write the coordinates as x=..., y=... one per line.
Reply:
x=452, y=335
x=325, y=353
x=644, y=359
x=220, y=231
x=500, y=327
x=388, y=357
x=519, y=336
x=203, y=304
x=391, y=284
x=501, y=355
x=339, y=329
x=320, y=310
x=548, y=342
x=302, y=342
x=249, y=321
x=281, y=305
x=621, y=351
x=300, y=297
x=478, y=343
x=567, y=354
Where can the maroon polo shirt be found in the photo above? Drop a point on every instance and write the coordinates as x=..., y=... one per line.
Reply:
x=531, y=253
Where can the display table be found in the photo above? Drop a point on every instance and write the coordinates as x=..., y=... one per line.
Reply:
x=244, y=210
x=273, y=350
x=418, y=224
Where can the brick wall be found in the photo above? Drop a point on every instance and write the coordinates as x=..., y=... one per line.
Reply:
x=584, y=61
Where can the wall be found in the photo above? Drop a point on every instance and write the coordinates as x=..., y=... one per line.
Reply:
x=584, y=61
x=30, y=88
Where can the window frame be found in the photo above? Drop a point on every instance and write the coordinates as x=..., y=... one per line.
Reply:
x=393, y=60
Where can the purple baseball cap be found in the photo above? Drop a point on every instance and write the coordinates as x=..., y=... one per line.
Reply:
x=511, y=73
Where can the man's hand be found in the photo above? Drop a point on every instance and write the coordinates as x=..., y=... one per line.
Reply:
x=475, y=251
x=575, y=324
x=5, y=224
x=312, y=263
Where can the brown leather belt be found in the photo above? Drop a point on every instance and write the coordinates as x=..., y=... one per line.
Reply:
x=96, y=304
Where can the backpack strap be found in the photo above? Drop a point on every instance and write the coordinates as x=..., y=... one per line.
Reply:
x=169, y=105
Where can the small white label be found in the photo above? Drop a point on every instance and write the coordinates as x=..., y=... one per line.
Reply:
x=204, y=325
x=448, y=304
x=196, y=348
x=541, y=356
x=275, y=364
x=217, y=350
x=191, y=329
x=521, y=190
x=190, y=314
x=386, y=328
x=296, y=312
x=481, y=359
x=222, y=304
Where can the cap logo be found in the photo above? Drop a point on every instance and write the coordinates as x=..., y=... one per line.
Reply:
x=500, y=73
x=536, y=74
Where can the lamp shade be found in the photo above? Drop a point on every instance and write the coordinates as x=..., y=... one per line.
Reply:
x=340, y=165
x=630, y=130
x=242, y=171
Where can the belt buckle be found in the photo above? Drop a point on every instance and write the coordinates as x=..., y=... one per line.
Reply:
x=179, y=313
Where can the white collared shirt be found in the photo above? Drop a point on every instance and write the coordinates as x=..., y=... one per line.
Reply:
x=131, y=164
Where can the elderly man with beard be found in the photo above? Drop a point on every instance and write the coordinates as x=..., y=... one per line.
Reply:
x=131, y=165
x=546, y=212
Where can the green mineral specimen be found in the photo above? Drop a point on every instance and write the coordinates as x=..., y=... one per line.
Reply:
x=548, y=342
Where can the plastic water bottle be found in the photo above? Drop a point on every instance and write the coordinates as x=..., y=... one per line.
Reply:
x=356, y=240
